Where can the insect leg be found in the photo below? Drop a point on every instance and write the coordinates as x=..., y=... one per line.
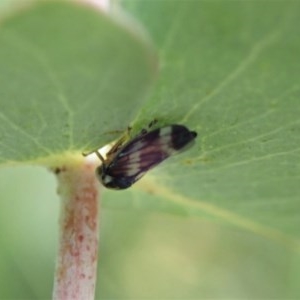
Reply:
x=144, y=130
x=100, y=156
x=152, y=123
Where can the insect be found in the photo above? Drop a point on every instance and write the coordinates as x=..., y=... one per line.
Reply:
x=128, y=161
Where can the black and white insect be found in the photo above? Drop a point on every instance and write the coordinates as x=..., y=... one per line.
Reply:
x=128, y=161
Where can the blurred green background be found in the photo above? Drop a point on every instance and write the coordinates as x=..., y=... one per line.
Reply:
x=143, y=255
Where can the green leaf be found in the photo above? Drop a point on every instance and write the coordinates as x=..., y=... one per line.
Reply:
x=228, y=70
x=71, y=77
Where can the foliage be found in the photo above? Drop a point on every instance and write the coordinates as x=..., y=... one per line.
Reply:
x=71, y=77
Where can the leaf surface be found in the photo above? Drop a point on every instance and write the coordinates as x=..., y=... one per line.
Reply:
x=71, y=77
x=229, y=71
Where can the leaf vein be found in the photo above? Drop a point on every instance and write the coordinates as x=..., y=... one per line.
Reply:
x=245, y=63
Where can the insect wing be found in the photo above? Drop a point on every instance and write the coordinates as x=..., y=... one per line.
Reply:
x=145, y=152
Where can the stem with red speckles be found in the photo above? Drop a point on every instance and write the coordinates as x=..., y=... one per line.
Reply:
x=76, y=265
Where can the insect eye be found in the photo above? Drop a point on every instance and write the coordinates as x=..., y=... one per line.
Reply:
x=99, y=172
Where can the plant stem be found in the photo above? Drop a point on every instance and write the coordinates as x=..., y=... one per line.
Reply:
x=76, y=266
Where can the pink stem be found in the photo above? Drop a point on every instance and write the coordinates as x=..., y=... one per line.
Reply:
x=76, y=265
